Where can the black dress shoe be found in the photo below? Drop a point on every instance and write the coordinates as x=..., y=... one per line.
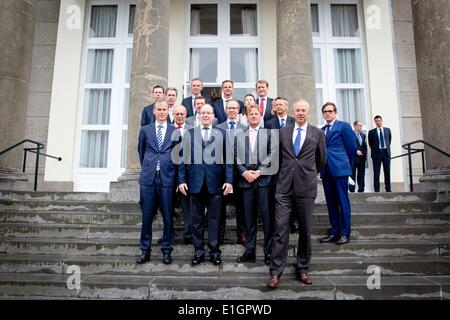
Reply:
x=196, y=260
x=215, y=259
x=167, y=258
x=267, y=258
x=143, y=258
x=343, y=240
x=247, y=257
x=294, y=227
x=330, y=238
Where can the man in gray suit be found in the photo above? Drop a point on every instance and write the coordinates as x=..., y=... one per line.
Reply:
x=232, y=126
x=302, y=155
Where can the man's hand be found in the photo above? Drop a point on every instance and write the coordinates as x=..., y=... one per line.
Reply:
x=250, y=176
x=359, y=153
x=228, y=188
x=183, y=188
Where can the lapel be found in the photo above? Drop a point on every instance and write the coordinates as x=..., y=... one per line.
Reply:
x=288, y=138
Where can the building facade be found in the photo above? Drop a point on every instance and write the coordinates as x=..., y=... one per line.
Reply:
x=80, y=72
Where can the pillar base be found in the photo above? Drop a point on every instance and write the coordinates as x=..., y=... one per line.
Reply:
x=126, y=188
x=437, y=180
x=12, y=179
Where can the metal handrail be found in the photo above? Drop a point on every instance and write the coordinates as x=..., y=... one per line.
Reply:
x=37, y=150
x=411, y=151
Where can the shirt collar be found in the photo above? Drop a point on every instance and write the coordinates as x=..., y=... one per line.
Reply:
x=303, y=127
x=164, y=124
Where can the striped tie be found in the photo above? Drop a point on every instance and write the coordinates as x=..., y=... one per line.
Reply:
x=159, y=139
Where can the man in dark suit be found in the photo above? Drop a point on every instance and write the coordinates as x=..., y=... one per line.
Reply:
x=380, y=147
x=148, y=115
x=341, y=150
x=359, y=165
x=232, y=126
x=157, y=181
x=263, y=101
x=281, y=120
x=206, y=176
x=189, y=102
x=179, y=115
x=171, y=98
x=256, y=176
x=220, y=110
x=302, y=155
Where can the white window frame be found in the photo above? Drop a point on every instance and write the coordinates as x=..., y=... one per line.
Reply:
x=224, y=42
x=327, y=45
x=97, y=179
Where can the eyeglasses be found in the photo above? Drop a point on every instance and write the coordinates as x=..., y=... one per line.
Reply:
x=327, y=111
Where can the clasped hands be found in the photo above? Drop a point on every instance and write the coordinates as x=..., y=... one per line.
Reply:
x=228, y=187
x=251, y=175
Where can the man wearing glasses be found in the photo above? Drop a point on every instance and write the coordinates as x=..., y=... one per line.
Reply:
x=341, y=150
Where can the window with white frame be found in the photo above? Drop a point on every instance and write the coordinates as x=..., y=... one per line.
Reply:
x=222, y=43
x=339, y=57
x=105, y=87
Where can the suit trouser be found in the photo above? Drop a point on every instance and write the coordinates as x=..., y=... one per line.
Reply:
x=285, y=205
x=378, y=159
x=213, y=203
x=358, y=172
x=256, y=197
x=187, y=216
x=150, y=198
x=338, y=204
x=236, y=199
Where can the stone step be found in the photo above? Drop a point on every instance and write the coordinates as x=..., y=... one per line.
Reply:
x=115, y=218
x=361, y=248
x=133, y=207
x=236, y=286
x=86, y=231
x=182, y=265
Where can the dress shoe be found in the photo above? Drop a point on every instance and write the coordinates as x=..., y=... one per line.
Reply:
x=294, y=227
x=143, y=258
x=273, y=282
x=167, y=258
x=330, y=238
x=196, y=260
x=247, y=257
x=303, y=277
x=215, y=259
x=267, y=258
x=241, y=238
x=343, y=240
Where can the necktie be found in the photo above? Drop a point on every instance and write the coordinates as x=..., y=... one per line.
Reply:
x=205, y=134
x=297, y=141
x=159, y=137
x=282, y=124
x=261, y=106
x=232, y=123
x=253, y=134
x=381, y=139
x=180, y=126
x=327, y=129
x=358, y=135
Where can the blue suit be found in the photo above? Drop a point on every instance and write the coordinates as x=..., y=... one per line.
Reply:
x=359, y=165
x=341, y=152
x=381, y=156
x=156, y=186
x=205, y=180
x=219, y=110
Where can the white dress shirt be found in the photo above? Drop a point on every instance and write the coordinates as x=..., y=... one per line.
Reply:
x=303, y=136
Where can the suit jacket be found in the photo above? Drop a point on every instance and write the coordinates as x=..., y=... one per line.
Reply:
x=149, y=156
x=148, y=116
x=274, y=123
x=374, y=142
x=230, y=140
x=361, y=147
x=301, y=172
x=205, y=162
x=260, y=159
x=268, y=111
x=219, y=110
x=341, y=149
x=187, y=102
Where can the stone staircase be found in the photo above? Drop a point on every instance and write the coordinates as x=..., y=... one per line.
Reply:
x=43, y=235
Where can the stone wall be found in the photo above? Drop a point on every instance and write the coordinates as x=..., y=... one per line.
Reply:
x=407, y=76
